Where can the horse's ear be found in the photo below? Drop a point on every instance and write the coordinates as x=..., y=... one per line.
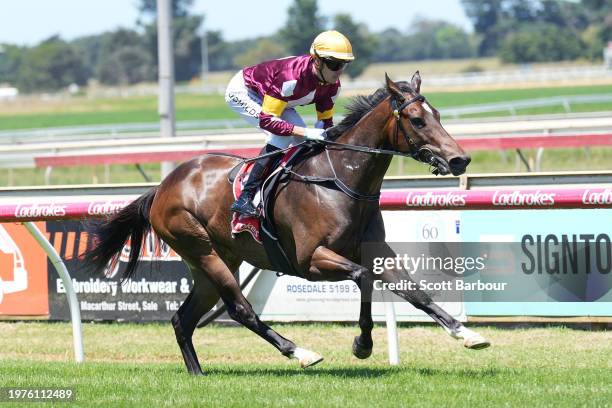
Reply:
x=415, y=82
x=392, y=87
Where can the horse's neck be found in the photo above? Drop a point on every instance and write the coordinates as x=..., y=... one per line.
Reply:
x=363, y=172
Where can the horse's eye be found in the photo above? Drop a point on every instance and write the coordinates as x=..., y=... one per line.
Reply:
x=418, y=123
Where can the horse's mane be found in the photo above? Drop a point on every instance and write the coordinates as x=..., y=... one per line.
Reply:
x=360, y=105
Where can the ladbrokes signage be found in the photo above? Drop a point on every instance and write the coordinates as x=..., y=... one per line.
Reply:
x=40, y=210
x=429, y=199
x=523, y=198
x=590, y=197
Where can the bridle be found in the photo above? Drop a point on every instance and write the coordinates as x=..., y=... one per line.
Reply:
x=399, y=127
x=419, y=153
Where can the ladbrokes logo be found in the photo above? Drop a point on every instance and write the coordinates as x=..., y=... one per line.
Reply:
x=532, y=198
x=106, y=207
x=594, y=198
x=35, y=210
x=430, y=199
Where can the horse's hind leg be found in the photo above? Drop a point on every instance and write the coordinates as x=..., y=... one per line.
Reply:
x=189, y=239
x=239, y=309
x=200, y=300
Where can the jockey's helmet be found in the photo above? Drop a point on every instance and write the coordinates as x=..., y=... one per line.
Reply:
x=333, y=45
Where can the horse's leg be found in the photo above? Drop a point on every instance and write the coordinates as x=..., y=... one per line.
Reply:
x=200, y=300
x=329, y=266
x=239, y=309
x=189, y=239
x=422, y=301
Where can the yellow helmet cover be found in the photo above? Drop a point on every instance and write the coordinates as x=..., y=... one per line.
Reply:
x=332, y=44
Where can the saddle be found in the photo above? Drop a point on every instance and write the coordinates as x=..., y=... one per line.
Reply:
x=262, y=228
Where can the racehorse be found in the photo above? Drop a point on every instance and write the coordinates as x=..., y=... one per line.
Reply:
x=320, y=225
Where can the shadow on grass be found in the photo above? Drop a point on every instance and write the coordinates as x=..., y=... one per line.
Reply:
x=260, y=371
x=358, y=372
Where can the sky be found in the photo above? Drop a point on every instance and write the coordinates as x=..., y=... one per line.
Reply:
x=27, y=22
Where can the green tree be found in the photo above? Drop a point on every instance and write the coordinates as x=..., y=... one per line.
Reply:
x=51, y=65
x=302, y=26
x=123, y=58
x=186, y=43
x=264, y=50
x=10, y=61
x=599, y=31
x=126, y=65
x=539, y=43
x=362, y=41
x=495, y=21
x=186, y=36
x=89, y=47
x=435, y=39
x=391, y=46
x=219, y=52
x=187, y=47
x=180, y=8
x=485, y=16
x=452, y=42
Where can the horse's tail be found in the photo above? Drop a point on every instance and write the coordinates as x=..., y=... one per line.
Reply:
x=111, y=235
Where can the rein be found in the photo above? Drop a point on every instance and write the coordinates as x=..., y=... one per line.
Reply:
x=421, y=154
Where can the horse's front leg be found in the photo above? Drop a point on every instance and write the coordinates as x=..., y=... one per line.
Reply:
x=326, y=265
x=423, y=301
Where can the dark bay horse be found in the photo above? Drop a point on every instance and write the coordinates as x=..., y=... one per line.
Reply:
x=321, y=228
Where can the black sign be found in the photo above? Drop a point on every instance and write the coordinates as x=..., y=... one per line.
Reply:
x=155, y=292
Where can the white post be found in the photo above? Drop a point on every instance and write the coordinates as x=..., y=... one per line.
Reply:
x=392, y=340
x=75, y=311
x=166, y=75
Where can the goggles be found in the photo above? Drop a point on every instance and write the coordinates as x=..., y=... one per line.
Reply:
x=334, y=65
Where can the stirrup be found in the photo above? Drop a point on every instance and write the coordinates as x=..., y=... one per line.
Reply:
x=247, y=209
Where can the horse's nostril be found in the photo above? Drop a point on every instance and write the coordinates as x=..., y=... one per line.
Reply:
x=460, y=162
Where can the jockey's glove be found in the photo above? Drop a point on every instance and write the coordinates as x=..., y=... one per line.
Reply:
x=314, y=134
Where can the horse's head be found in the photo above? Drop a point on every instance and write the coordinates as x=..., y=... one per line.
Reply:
x=415, y=128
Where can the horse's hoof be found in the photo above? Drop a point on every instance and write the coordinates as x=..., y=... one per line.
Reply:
x=471, y=339
x=476, y=343
x=306, y=358
x=360, y=351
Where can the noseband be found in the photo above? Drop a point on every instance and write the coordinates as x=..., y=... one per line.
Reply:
x=415, y=151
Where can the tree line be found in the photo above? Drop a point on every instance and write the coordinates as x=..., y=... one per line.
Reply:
x=518, y=31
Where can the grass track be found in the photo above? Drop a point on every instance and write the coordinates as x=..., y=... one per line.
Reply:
x=81, y=111
x=139, y=365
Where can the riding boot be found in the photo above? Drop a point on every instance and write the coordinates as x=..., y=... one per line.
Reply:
x=244, y=203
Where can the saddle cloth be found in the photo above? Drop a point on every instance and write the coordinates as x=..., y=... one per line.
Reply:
x=244, y=223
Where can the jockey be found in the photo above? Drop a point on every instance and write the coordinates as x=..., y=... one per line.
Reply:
x=266, y=94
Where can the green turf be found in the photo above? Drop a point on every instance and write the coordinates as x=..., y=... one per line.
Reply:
x=447, y=99
x=120, y=173
x=140, y=365
x=81, y=111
